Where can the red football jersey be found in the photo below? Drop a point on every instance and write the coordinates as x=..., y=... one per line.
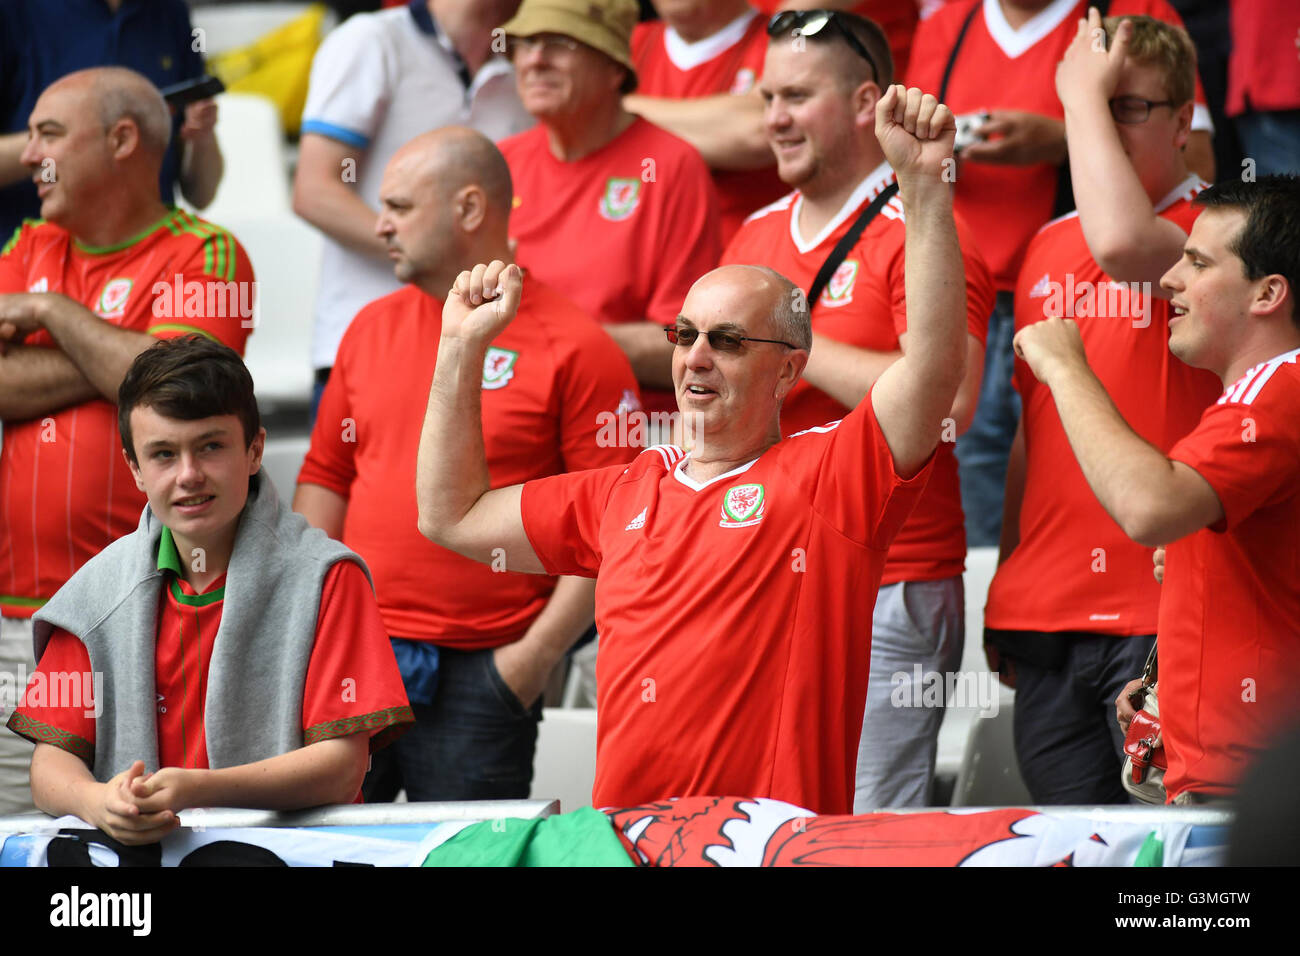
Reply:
x=1002, y=68
x=864, y=304
x=350, y=646
x=624, y=231
x=734, y=614
x=548, y=381
x=1101, y=581
x=65, y=490
x=1229, y=637
x=730, y=61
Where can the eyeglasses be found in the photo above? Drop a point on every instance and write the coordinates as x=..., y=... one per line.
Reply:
x=719, y=340
x=550, y=44
x=1134, y=110
x=811, y=22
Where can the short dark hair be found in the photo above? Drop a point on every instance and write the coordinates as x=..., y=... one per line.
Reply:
x=188, y=378
x=1269, y=242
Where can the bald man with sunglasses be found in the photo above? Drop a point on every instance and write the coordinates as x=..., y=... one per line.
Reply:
x=736, y=580
x=822, y=76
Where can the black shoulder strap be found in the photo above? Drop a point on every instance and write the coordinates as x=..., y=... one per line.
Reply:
x=847, y=242
x=956, y=48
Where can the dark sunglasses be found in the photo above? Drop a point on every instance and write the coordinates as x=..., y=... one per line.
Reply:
x=719, y=340
x=811, y=22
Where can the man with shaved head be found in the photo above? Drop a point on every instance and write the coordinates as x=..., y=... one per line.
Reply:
x=475, y=644
x=106, y=272
x=736, y=579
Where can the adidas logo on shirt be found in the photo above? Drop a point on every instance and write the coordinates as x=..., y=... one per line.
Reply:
x=638, y=522
x=1042, y=287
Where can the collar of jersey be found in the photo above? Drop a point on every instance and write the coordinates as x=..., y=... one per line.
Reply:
x=867, y=190
x=169, y=559
x=1014, y=42
x=686, y=55
x=172, y=212
x=1188, y=188
x=694, y=485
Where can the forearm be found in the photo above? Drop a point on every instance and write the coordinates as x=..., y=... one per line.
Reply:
x=727, y=130
x=647, y=350
x=451, y=468
x=319, y=774
x=340, y=213
x=1125, y=472
x=565, y=618
x=935, y=290
x=968, y=395
x=62, y=784
x=201, y=169
x=36, y=381
x=323, y=508
x=1124, y=234
x=845, y=372
x=11, y=169
x=101, y=351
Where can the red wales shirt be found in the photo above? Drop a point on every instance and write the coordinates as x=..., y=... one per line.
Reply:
x=351, y=651
x=864, y=304
x=1230, y=609
x=734, y=614
x=65, y=490
x=1013, y=69
x=730, y=61
x=553, y=382
x=1101, y=580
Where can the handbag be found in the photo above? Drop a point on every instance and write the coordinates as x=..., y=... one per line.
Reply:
x=1145, y=761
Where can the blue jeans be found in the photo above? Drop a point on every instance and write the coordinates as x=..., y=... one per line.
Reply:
x=983, y=451
x=1272, y=140
x=1068, y=743
x=474, y=742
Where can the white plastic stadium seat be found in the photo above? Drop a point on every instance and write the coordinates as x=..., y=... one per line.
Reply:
x=282, y=460
x=255, y=181
x=565, y=764
x=285, y=253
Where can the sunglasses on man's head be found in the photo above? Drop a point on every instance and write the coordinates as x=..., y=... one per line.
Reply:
x=811, y=22
x=719, y=340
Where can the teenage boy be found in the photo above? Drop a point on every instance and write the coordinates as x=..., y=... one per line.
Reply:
x=272, y=699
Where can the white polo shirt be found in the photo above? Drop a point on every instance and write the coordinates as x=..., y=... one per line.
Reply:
x=378, y=81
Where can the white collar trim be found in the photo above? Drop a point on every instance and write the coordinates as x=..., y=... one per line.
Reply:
x=867, y=190
x=1188, y=188
x=691, y=483
x=686, y=55
x=1016, y=41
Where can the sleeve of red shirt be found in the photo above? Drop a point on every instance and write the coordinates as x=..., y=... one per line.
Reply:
x=592, y=385
x=690, y=240
x=68, y=728
x=562, y=516
x=353, y=685
x=13, y=272
x=1250, y=457
x=857, y=490
x=220, y=260
x=331, y=460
